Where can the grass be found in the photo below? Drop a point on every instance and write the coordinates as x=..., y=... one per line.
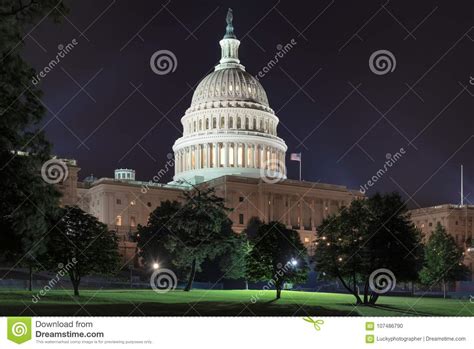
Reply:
x=222, y=303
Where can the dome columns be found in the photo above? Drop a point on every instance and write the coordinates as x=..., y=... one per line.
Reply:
x=227, y=155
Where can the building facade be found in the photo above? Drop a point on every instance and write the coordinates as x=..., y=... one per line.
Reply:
x=230, y=143
x=458, y=222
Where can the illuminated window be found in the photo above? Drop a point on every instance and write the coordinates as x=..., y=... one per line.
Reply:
x=133, y=203
x=132, y=221
x=118, y=220
x=241, y=218
x=306, y=239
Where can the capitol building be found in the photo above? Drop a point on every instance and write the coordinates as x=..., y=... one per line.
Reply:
x=230, y=142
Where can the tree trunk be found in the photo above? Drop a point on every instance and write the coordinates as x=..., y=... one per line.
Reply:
x=30, y=281
x=246, y=284
x=373, y=298
x=353, y=292
x=366, y=291
x=191, y=276
x=75, y=285
x=75, y=280
x=278, y=287
x=444, y=289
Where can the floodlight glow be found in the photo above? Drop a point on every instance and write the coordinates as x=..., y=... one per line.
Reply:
x=156, y=265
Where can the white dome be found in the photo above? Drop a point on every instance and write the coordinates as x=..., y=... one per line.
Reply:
x=229, y=84
x=229, y=129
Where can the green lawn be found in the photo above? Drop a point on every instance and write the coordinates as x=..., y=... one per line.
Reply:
x=233, y=302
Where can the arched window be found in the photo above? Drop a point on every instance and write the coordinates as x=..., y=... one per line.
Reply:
x=194, y=125
x=239, y=123
x=254, y=124
x=261, y=125
x=200, y=125
x=231, y=122
x=222, y=122
x=207, y=124
x=214, y=122
x=247, y=123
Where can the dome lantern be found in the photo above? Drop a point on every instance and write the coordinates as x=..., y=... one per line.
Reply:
x=229, y=47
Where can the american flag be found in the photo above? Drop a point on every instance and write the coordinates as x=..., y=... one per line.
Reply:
x=295, y=157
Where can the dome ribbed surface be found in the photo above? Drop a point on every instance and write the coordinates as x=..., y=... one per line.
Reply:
x=230, y=84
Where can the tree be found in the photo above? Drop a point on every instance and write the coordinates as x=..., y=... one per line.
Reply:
x=277, y=256
x=26, y=199
x=80, y=240
x=443, y=260
x=366, y=237
x=152, y=238
x=235, y=249
x=252, y=227
x=197, y=231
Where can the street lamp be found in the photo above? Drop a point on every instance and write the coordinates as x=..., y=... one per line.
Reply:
x=156, y=265
x=294, y=262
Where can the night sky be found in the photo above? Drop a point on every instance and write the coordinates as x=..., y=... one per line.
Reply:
x=342, y=117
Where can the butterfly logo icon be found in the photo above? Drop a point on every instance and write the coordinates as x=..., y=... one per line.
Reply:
x=316, y=323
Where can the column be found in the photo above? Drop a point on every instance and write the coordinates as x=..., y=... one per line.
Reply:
x=188, y=159
x=264, y=156
x=197, y=156
x=178, y=162
x=288, y=212
x=218, y=155
x=226, y=153
x=254, y=149
x=301, y=214
x=245, y=151
x=235, y=155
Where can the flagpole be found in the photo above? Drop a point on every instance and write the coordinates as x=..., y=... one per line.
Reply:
x=301, y=160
